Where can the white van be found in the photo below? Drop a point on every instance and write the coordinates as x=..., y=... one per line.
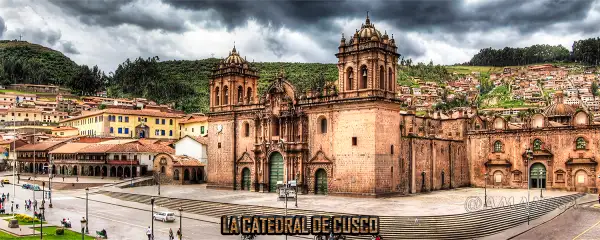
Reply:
x=164, y=216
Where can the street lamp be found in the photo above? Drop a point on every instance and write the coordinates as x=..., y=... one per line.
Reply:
x=87, y=191
x=152, y=202
x=529, y=157
x=540, y=177
x=485, y=190
x=83, y=221
x=42, y=220
x=51, y=175
x=43, y=190
x=180, y=228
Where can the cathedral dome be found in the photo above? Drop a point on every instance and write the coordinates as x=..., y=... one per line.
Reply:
x=234, y=58
x=558, y=108
x=368, y=31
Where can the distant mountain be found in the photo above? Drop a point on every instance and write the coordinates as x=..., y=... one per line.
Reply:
x=25, y=62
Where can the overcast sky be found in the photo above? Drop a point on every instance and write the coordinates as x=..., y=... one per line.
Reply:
x=106, y=32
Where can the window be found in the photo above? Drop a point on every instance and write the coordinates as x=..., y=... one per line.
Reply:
x=350, y=83
x=381, y=78
x=123, y=157
x=246, y=130
x=219, y=145
x=96, y=119
x=120, y=118
x=192, y=129
x=217, y=98
x=156, y=132
x=497, y=146
x=101, y=118
x=580, y=143
x=323, y=125
x=240, y=94
x=249, y=96
x=170, y=121
x=112, y=130
x=120, y=130
x=162, y=132
x=170, y=132
x=176, y=174
x=157, y=121
x=275, y=127
x=363, y=77
x=537, y=145
x=392, y=149
x=225, y=95
x=116, y=157
x=126, y=119
x=163, y=122
x=354, y=141
x=391, y=80
x=162, y=169
x=126, y=130
x=201, y=129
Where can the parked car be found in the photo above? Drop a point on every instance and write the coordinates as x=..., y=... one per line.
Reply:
x=5, y=180
x=164, y=216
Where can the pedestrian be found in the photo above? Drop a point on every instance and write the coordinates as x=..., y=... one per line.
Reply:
x=63, y=178
x=149, y=233
x=171, y=234
x=8, y=196
x=12, y=208
x=77, y=179
x=179, y=233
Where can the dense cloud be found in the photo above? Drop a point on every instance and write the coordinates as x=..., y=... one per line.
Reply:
x=2, y=26
x=106, y=32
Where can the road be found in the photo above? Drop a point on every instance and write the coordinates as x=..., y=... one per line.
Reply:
x=120, y=222
x=582, y=223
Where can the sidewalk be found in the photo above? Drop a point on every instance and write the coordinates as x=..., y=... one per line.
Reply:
x=427, y=204
x=22, y=230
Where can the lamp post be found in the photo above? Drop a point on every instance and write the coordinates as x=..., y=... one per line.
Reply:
x=43, y=201
x=540, y=177
x=485, y=190
x=152, y=202
x=42, y=220
x=529, y=157
x=180, y=223
x=157, y=179
x=87, y=191
x=51, y=175
x=83, y=223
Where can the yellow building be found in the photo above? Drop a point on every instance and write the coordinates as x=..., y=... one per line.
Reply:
x=65, y=131
x=193, y=125
x=117, y=122
x=21, y=115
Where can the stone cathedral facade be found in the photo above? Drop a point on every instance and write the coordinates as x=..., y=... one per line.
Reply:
x=352, y=137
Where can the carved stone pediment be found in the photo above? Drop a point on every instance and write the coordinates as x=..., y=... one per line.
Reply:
x=320, y=157
x=245, y=158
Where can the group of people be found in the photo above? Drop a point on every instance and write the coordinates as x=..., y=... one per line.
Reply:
x=171, y=236
x=29, y=204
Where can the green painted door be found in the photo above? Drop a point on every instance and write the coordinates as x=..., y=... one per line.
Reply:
x=275, y=171
x=537, y=175
x=246, y=179
x=321, y=181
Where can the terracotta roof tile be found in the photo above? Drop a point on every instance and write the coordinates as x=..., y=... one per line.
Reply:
x=70, y=148
x=43, y=146
x=96, y=148
x=186, y=161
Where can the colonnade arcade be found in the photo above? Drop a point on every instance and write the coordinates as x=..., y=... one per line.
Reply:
x=103, y=170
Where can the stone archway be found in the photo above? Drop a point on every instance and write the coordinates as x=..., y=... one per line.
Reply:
x=537, y=175
x=90, y=171
x=186, y=175
x=275, y=170
x=104, y=171
x=119, y=171
x=113, y=171
x=74, y=170
x=127, y=172
x=97, y=171
x=321, y=181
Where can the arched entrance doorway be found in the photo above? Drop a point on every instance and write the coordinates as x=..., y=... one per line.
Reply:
x=90, y=171
x=275, y=170
x=321, y=181
x=97, y=171
x=246, y=179
x=74, y=170
x=186, y=175
x=113, y=171
x=537, y=175
x=104, y=171
x=127, y=172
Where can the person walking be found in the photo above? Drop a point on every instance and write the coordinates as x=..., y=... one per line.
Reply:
x=179, y=233
x=8, y=196
x=149, y=233
x=171, y=237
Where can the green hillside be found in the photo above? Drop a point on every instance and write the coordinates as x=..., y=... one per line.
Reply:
x=25, y=62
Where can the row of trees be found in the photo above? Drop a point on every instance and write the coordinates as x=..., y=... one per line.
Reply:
x=520, y=56
x=587, y=51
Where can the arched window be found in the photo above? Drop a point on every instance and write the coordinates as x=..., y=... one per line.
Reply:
x=176, y=174
x=363, y=77
x=580, y=144
x=497, y=146
x=350, y=73
x=225, y=95
x=246, y=129
x=391, y=80
x=162, y=169
x=217, y=97
x=240, y=95
x=537, y=145
x=249, y=96
x=323, y=125
x=381, y=78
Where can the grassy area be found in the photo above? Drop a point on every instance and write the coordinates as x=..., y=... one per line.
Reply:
x=49, y=233
x=15, y=91
x=469, y=69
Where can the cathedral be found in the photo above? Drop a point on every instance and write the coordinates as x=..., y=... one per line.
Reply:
x=353, y=138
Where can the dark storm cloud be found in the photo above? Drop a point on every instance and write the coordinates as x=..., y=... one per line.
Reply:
x=429, y=15
x=2, y=26
x=68, y=47
x=111, y=13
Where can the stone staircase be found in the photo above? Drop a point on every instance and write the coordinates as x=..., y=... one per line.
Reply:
x=459, y=226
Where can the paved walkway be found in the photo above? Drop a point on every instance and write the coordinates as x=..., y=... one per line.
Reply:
x=445, y=202
x=22, y=230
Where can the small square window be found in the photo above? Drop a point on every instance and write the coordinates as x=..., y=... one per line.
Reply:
x=392, y=149
x=354, y=141
x=219, y=145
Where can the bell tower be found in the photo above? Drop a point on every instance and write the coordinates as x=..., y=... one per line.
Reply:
x=367, y=63
x=233, y=83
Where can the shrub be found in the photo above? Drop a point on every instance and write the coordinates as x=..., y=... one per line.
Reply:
x=60, y=231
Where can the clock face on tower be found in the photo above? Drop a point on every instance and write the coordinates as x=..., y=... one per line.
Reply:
x=219, y=128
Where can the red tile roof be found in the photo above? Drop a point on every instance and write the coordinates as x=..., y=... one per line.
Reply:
x=186, y=161
x=43, y=146
x=70, y=148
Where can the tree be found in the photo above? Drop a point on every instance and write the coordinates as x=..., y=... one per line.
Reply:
x=595, y=88
x=88, y=81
